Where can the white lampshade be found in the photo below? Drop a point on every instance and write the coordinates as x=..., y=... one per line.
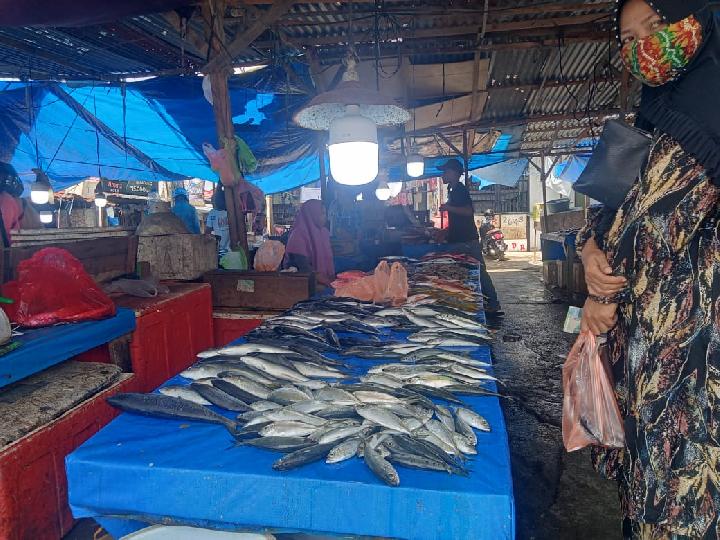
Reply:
x=383, y=192
x=39, y=193
x=100, y=200
x=46, y=216
x=353, y=148
x=415, y=166
x=395, y=188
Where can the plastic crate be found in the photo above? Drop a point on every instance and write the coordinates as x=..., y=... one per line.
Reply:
x=169, y=332
x=228, y=326
x=33, y=485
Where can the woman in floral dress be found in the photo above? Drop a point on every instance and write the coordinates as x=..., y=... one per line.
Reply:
x=653, y=272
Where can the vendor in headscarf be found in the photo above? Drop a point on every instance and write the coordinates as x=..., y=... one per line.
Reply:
x=653, y=273
x=308, y=246
x=11, y=206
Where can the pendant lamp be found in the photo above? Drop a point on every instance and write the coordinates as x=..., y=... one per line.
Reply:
x=352, y=115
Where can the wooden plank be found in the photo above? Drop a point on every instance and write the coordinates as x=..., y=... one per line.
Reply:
x=259, y=290
x=38, y=400
x=246, y=37
x=103, y=258
x=180, y=256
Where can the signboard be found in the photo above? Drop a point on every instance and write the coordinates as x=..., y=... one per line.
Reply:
x=130, y=187
x=513, y=226
x=309, y=194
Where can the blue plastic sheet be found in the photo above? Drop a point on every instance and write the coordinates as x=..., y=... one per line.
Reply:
x=45, y=347
x=158, y=471
x=154, y=130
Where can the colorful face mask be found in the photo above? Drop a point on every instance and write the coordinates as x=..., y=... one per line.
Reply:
x=660, y=57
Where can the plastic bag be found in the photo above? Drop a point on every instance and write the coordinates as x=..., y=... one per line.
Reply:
x=382, y=277
x=222, y=163
x=397, y=289
x=234, y=260
x=591, y=415
x=269, y=256
x=141, y=288
x=361, y=289
x=383, y=286
x=53, y=287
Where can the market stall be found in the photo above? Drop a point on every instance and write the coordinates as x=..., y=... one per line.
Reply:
x=122, y=472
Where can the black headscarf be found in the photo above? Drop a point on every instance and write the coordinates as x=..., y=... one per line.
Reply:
x=688, y=108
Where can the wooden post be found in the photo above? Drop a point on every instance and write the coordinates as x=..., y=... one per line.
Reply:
x=213, y=12
x=269, y=216
x=466, y=158
x=324, y=191
x=543, y=181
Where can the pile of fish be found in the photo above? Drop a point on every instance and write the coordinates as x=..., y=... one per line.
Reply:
x=293, y=391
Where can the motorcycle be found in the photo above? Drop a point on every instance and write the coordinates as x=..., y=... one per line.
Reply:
x=493, y=240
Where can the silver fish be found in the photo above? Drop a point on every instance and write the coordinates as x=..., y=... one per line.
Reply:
x=287, y=429
x=251, y=387
x=288, y=395
x=276, y=370
x=382, y=468
x=340, y=434
x=344, y=451
x=383, y=417
x=184, y=392
x=336, y=396
x=472, y=418
x=463, y=444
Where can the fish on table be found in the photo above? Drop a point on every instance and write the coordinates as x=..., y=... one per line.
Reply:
x=288, y=388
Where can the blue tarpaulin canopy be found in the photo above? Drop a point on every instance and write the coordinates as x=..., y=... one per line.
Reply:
x=151, y=130
x=154, y=130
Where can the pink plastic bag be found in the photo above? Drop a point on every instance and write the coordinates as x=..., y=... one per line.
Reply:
x=269, y=256
x=221, y=164
x=591, y=415
x=397, y=289
x=382, y=277
x=385, y=285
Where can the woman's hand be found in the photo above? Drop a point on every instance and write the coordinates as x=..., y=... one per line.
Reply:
x=598, y=318
x=598, y=273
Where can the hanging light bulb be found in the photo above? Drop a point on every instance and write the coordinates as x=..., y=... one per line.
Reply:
x=100, y=198
x=395, y=188
x=40, y=189
x=415, y=165
x=359, y=197
x=46, y=216
x=353, y=148
x=383, y=191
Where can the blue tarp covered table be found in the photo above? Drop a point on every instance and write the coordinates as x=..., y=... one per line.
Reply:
x=45, y=347
x=140, y=470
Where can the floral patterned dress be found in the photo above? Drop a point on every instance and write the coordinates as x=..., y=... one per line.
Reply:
x=666, y=349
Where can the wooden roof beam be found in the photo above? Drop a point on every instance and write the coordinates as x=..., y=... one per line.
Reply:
x=247, y=36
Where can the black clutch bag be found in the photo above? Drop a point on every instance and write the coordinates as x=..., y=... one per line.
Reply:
x=615, y=164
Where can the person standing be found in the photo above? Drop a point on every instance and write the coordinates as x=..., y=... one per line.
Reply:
x=308, y=246
x=653, y=273
x=216, y=222
x=185, y=211
x=11, y=207
x=462, y=231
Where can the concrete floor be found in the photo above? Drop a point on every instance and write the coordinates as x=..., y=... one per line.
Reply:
x=557, y=495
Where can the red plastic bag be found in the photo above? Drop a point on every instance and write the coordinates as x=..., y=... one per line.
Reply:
x=53, y=287
x=591, y=415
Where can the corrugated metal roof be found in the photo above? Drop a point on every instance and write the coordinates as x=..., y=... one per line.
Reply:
x=548, y=58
